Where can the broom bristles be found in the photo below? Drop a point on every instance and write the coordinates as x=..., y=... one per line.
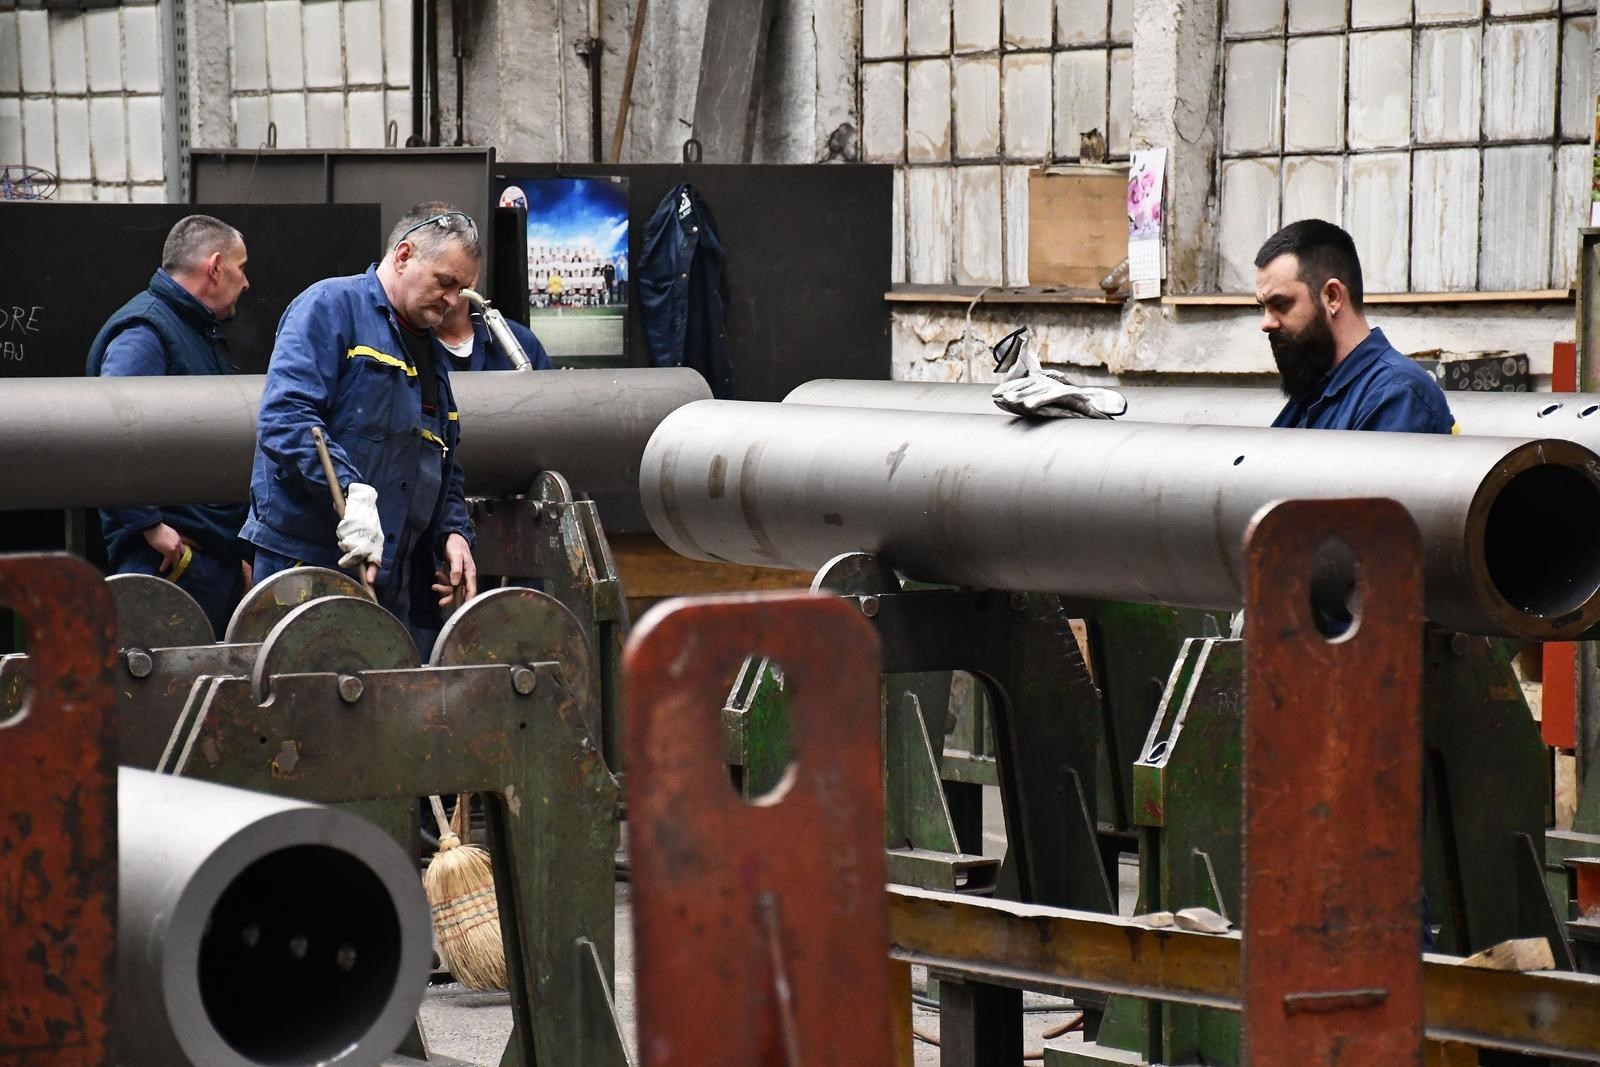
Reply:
x=459, y=884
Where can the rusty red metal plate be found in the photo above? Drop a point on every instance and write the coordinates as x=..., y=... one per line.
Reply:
x=1332, y=922
x=58, y=822
x=738, y=908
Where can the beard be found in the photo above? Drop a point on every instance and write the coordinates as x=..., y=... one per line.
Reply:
x=1303, y=358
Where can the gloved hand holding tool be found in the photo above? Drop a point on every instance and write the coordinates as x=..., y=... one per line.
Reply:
x=1027, y=389
x=360, y=531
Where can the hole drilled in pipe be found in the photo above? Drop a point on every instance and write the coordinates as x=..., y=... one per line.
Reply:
x=1539, y=541
x=300, y=957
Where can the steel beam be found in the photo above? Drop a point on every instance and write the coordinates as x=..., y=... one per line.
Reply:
x=109, y=442
x=1568, y=416
x=1542, y=1014
x=1118, y=511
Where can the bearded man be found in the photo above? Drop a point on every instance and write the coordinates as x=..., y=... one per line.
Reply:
x=1338, y=372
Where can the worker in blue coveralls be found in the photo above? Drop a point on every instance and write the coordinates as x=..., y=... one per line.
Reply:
x=358, y=357
x=472, y=347
x=175, y=327
x=1338, y=372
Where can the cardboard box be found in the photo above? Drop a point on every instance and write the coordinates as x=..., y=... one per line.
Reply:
x=1077, y=224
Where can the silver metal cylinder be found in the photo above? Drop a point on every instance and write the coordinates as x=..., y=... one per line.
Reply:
x=1569, y=416
x=257, y=932
x=109, y=442
x=1119, y=510
x=496, y=324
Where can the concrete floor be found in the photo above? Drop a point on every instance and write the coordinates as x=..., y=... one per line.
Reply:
x=472, y=1028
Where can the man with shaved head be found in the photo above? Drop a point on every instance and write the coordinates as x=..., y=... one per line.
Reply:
x=175, y=327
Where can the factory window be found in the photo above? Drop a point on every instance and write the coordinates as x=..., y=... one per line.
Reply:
x=966, y=96
x=321, y=73
x=1449, y=136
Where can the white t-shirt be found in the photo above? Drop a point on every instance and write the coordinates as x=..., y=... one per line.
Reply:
x=461, y=351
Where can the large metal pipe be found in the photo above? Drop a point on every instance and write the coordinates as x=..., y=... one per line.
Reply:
x=85, y=442
x=254, y=931
x=1118, y=510
x=1569, y=416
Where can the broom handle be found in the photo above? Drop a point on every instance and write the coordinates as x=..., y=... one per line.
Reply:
x=438, y=814
x=337, y=494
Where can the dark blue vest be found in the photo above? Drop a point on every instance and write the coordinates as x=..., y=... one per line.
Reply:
x=192, y=341
x=189, y=333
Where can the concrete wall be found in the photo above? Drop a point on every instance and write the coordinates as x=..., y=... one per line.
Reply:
x=528, y=88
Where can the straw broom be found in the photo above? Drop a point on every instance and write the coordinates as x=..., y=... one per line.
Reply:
x=459, y=883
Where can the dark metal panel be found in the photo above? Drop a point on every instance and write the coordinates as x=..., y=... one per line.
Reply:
x=245, y=176
x=395, y=180
x=1332, y=896
x=52, y=315
x=809, y=252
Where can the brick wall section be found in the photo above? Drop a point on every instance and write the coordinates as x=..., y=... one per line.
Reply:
x=81, y=97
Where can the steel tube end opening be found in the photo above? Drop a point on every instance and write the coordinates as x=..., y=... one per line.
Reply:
x=1541, y=546
x=301, y=956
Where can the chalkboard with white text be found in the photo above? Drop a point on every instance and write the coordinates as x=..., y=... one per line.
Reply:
x=83, y=262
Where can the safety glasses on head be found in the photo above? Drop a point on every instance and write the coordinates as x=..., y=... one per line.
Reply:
x=447, y=223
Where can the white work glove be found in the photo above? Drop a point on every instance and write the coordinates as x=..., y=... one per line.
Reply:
x=1047, y=394
x=1013, y=357
x=360, y=531
x=1027, y=389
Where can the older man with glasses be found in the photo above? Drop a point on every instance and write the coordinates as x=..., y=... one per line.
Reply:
x=358, y=358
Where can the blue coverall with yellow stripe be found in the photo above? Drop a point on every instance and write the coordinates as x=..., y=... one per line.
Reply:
x=340, y=362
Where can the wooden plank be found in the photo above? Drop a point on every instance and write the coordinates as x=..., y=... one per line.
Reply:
x=1017, y=294
x=731, y=65
x=650, y=570
x=1520, y=954
x=1500, y=297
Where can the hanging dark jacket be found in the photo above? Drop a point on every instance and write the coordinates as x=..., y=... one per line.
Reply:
x=683, y=290
x=174, y=334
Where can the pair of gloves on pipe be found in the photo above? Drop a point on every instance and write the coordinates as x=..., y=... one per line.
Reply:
x=1027, y=389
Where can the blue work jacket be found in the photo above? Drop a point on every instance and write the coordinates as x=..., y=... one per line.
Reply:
x=486, y=355
x=340, y=362
x=164, y=331
x=683, y=290
x=1373, y=388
